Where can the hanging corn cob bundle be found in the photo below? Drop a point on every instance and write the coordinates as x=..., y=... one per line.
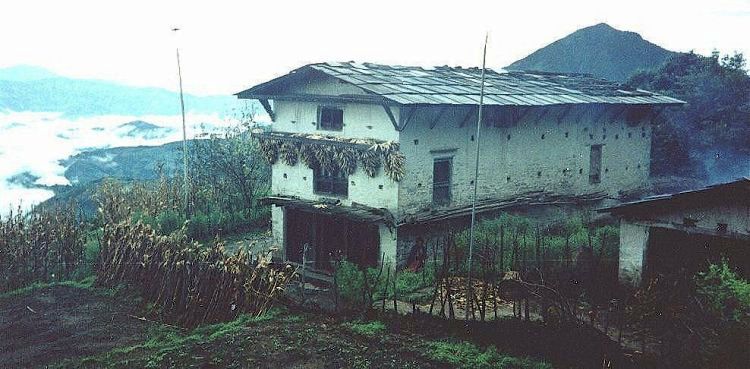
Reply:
x=307, y=155
x=370, y=160
x=289, y=153
x=270, y=149
x=335, y=157
x=395, y=165
x=325, y=155
x=347, y=159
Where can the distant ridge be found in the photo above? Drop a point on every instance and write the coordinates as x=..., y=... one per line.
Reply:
x=31, y=88
x=600, y=50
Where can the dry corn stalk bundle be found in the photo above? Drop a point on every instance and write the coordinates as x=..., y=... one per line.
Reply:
x=190, y=284
x=42, y=245
x=289, y=153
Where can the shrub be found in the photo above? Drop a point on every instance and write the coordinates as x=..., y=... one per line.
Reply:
x=726, y=293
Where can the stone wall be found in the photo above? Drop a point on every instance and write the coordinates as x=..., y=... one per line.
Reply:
x=633, y=243
x=548, y=149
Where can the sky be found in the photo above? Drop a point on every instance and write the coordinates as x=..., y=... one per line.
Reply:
x=227, y=46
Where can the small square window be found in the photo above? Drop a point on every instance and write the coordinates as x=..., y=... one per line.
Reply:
x=330, y=118
x=722, y=227
x=328, y=182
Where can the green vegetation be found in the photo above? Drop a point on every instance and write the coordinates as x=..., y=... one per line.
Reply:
x=727, y=294
x=165, y=345
x=370, y=329
x=466, y=355
x=710, y=136
x=85, y=283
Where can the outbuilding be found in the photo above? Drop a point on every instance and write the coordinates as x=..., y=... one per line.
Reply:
x=684, y=231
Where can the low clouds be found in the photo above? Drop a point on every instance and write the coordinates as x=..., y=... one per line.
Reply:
x=33, y=143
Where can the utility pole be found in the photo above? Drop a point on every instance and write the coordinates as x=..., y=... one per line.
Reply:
x=184, y=135
x=469, y=286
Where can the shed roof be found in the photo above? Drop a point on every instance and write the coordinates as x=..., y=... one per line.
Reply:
x=736, y=191
x=405, y=85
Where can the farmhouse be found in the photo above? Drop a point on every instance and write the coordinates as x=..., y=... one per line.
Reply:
x=682, y=231
x=369, y=160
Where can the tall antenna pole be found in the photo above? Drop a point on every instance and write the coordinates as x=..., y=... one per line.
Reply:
x=184, y=134
x=469, y=285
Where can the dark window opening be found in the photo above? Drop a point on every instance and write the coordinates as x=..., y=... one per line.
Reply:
x=595, y=164
x=330, y=119
x=508, y=137
x=566, y=134
x=416, y=142
x=630, y=134
x=507, y=179
x=330, y=182
x=441, y=181
x=722, y=227
x=542, y=136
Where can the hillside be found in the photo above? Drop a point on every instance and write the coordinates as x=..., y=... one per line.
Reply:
x=87, y=170
x=599, y=50
x=27, y=88
x=126, y=163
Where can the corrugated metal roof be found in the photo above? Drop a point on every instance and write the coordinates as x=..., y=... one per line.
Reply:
x=460, y=86
x=737, y=191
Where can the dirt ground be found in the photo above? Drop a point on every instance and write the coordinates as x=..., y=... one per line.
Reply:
x=68, y=327
x=61, y=322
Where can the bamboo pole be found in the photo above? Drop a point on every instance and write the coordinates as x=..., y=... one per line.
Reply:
x=469, y=287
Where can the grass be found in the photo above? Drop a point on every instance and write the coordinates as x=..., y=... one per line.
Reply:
x=368, y=329
x=167, y=345
x=466, y=355
x=85, y=283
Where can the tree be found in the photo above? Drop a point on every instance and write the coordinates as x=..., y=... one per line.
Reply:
x=228, y=172
x=710, y=137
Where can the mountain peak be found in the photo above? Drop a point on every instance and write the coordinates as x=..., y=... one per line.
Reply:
x=601, y=50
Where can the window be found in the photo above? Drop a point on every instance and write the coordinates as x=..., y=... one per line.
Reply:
x=441, y=181
x=689, y=222
x=330, y=118
x=330, y=182
x=722, y=227
x=595, y=164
